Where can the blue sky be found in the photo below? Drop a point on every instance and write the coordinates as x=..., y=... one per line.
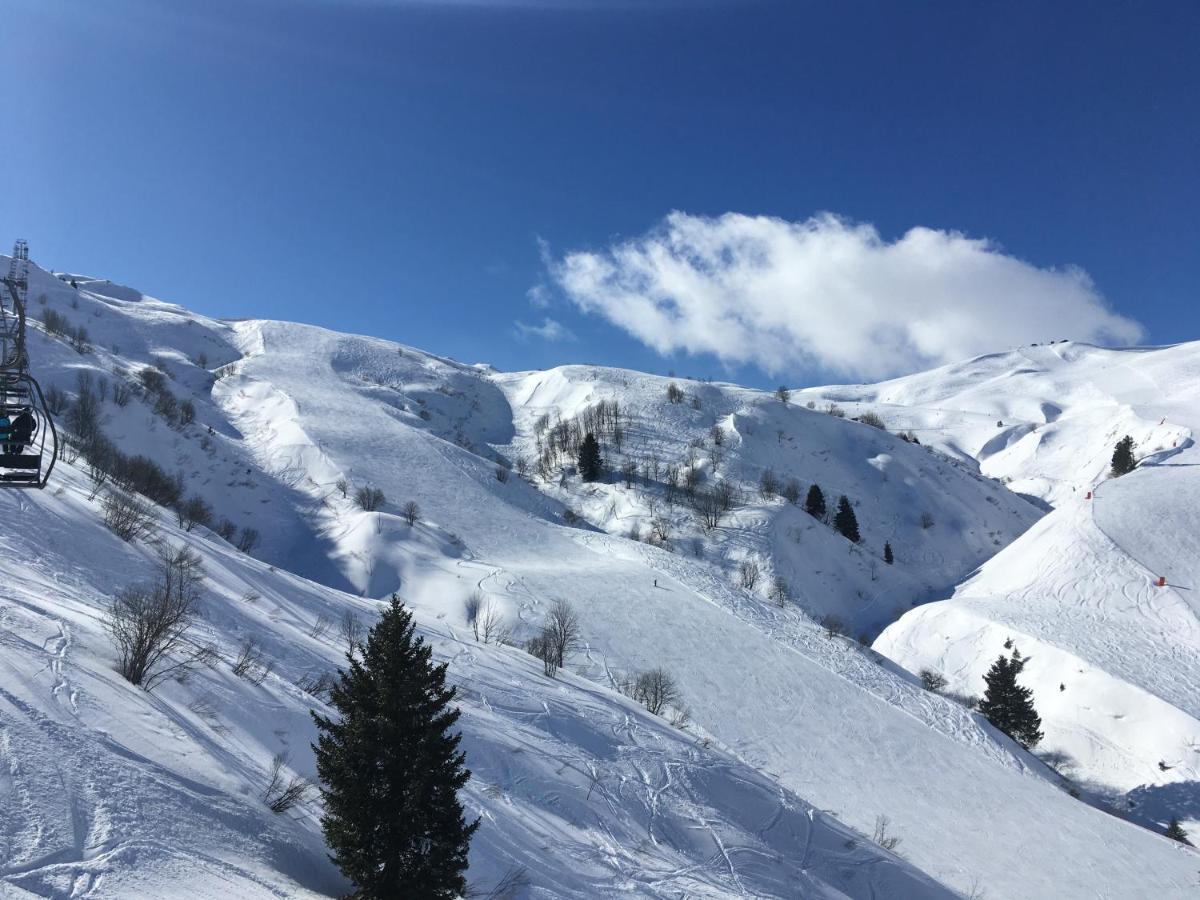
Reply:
x=413, y=169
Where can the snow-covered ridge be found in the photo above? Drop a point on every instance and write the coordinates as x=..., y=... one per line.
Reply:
x=779, y=710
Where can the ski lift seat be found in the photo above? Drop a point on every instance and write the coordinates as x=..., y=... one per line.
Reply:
x=21, y=461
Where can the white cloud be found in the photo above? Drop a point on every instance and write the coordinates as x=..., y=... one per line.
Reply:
x=538, y=296
x=549, y=330
x=830, y=293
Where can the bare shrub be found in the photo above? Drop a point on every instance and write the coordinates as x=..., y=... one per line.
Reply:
x=872, y=419
x=149, y=623
x=187, y=412
x=791, y=491
x=248, y=539
x=833, y=626
x=768, y=484
x=122, y=392
x=783, y=395
x=226, y=529
x=881, y=836
x=368, y=498
x=932, y=680
x=192, y=512
x=501, y=474
x=319, y=628
x=926, y=520
x=56, y=400
x=655, y=689
x=126, y=515
x=283, y=792
x=748, y=573
x=248, y=656
x=316, y=684
x=674, y=393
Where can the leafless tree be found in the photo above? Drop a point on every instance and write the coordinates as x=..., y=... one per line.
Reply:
x=149, y=623
x=779, y=590
x=783, y=395
x=833, y=626
x=726, y=493
x=655, y=689
x=717, y=433
x=351, y=631
x=471, y=606
x=127, y=516
x=748, y=573
x=628, y=472
x=562, y=630
x=411, y=512
x=661, y=529
x=768, y=484
x=492, y=627
x=541, y=648
x=369, y=499
x=248, y=539
x=708, y=509
x=932, y=680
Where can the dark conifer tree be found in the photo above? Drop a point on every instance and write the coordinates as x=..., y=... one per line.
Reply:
x=1008, y=705
x=814, y=503
x=1122, y=460
x=845, y=521
x=1176, y=833
x=887, y=553
x=390, y=769
x=590, y=463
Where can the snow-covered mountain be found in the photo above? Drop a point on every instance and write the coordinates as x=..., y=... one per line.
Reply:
x=796, y=734
x=1114, y=659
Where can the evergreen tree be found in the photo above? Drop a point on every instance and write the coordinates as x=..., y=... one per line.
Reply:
x=1122, y=460
x=887, y=553
x=814, y=503
x=845, y=521
x=590, y=464
x=1176, y=833
x=1008, y=705
x=390, y=769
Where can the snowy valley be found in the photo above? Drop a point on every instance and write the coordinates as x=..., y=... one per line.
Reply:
x=802, y=757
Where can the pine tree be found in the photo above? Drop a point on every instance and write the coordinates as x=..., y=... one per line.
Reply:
x=1176, y=833
x=590, y=464
x=1008, y=705
x=814, y=503
x=887, y=553
x=390, y=769
x=1122, y=460
x=845, y=521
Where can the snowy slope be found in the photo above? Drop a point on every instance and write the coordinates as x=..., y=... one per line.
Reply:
x=296, y=409
x=1115, y=660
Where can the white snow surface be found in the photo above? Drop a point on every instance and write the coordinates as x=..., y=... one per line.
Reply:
x=795, y=737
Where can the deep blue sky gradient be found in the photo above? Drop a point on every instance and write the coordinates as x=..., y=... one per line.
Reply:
x=388, y=167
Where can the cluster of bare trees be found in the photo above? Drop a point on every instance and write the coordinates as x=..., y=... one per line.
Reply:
x=558, y=637
x=486, y=619
x=559, y=440
x=655, y=689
